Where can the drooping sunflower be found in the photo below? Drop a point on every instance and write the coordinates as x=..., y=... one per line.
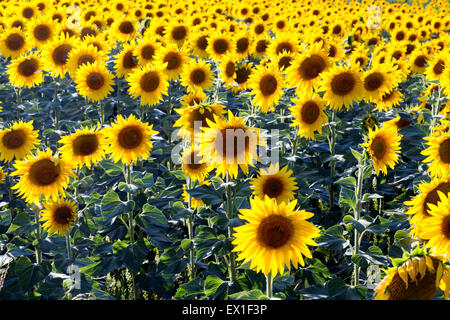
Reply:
x=94, y=81
x=148, y=83
x=267, y=85
x=192, y=99
x=275, y=236
x=309, y=115
x=230, y=144
x=129, y=139
x=126, y=61
x=13, y=43
x=82, y=55
x=173, y=58
x=59, y=215
x=428, y=194
x=194, y=166
x=26, y=71
x=42, y=175
x=55, y=54
x=436, y=229
x=305, y=71
x=197, y=75
x=275, y=183
x=342, y=86
x=17, y=141
x=414, y=277
x=438, y=153
x=83, y=147
x=193, y=117
x=383, y=146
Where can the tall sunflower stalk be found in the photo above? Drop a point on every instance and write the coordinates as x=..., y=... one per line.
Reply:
x=37, y=216
x=190, y=226
x=332, y=145
x=229, y=212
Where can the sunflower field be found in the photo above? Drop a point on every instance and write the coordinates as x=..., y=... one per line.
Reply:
x=224, y=150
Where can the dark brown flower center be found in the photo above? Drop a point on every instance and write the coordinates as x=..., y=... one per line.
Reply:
x=95, y=80
x=61, y=53
x=400, y=36
x=420, y=61
x=268, y=85
x=201, y=114
x=337, y=29
x=147, y=52
x=444, y=151
x=229, y=69
x=129, y=60
x=343, y=83
x=275, y=231
x=310, y=112
x=41, y=32
x=198, y=76
x=85, y=59
x=150, y=81
x=28, y=67
x=281, y=25
x=130, y=137
x=179, y=33
x=173, y=60
x=446, y=226
x=28, y=13
x=439, y=67
x=273, y=187
x=126, y=27
x=63, y=215
x=221, y=46
x=433, y=197
x=14, y=139
x=202, y=43
x=87, y=31
x=85, y=145
x=242, y=45
x=160, y=30
x=378, y=147
x=44, y=172
x=332, y=51
x=15, y=42
x=373, y=81
x=234, y=143
x=311, y=67
x=284, y=62
x=261, y=46
x=259, y=28
x=242, y=75
x=284, y=46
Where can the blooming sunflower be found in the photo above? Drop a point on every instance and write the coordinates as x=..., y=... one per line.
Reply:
x=388, y=100
x=342, y=86
x=267, y=85
x=438, y=153
x=82, y=55
x=56, y=54
x=275, y=236
x=146, y=50
x=42, y=175
x=415, y=277
x=275, y=183
x=126, y=60
x=193, y=98
x=40, y=31
x=283, y=42
x=148, y=83
x=230, y=144
x=124, y=30
x=436, y=229
x=173, y=58
x=129, y=139
x=383, y=146
x=219, y=45
x=435, y=70
x=13, y=43
x=380, y=80
x=83, y=147
x=227, y=69
x=59, y=215
x=94, y=81
x=26, y=71
x=198, y=43
x=309, y=114
x=194, y=166
x=177, y=32
x=197, y=75
x=242, y=75
x=243, y=43
x=17, y=141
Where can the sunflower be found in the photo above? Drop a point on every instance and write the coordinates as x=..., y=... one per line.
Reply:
x=13, y=43
x=94, y=81
x=129, y=139
x=275, y=183
x=193, y=117
x=436, y=229
x=126, y=61
x=275, y=236
x=40, y=31
x=342, y=86
x=197, y=75
x=379, y=80
x=389, y=100
x=383, y=146
x=99, y=42
x=192, y=99
x=267, y=85
x=419, y=206
x=26, y=71
x=173, y=58
x=260, y=47
x=414, y=277
x=2, y=175
x=305, y=71
x=435, y=69
x=438, y=153
x=219, y=45
x=283, y=42
x=227, y=69
x=419, y=61
x=148, y=83
x=176, y=32
x=198, y=43
x=243, y=43
x=82, y=55
x=309, y=115
x=17, y=141
x=195, y=203
x=194, y=166
x=230, y=144
x=59, y=215
x=242, y=75
x=42, y=175
x=83, y=147
x=56, y=54
x=124, y=30
x=146, y=50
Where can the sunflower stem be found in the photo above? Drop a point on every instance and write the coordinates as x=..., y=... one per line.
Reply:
x=37, y=216
x=357, y=214
x=129, y=169
x=102, y=113
x=269, y=285
x=435, y=111
x=294, y=150
x=190, y=226
x=19, y=95
x=332, y=144
x=229, y=211
x=68, y=245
